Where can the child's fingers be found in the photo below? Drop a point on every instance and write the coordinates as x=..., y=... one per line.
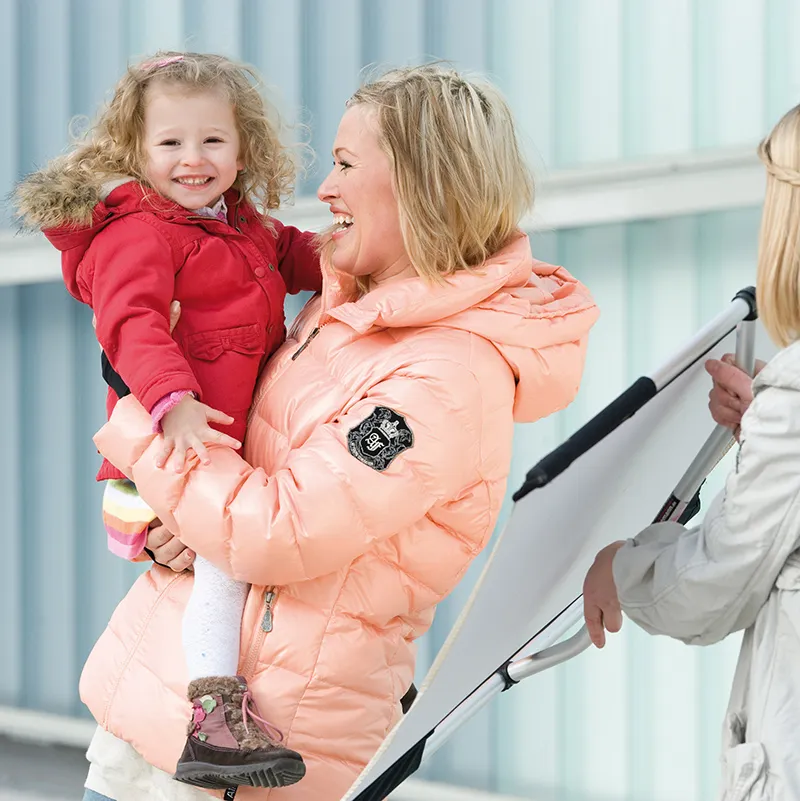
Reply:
x=200, y=449
x=218, y=438
x=179, y=456
x=216, y=416
x=165, y=452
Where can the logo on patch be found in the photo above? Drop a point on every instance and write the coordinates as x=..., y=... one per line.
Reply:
x=382, y=436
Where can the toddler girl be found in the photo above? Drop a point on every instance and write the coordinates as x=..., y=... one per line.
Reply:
x=168, y=198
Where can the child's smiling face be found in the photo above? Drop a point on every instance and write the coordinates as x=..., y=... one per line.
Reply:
x=191, y=145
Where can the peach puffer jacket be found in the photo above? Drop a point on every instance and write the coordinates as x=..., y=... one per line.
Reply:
x=380, y=442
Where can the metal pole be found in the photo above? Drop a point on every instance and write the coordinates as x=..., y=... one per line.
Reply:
x=702, y=342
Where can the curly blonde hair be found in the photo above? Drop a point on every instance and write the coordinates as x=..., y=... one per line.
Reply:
x=461, y=180
x=778, y=275
x=114, y=144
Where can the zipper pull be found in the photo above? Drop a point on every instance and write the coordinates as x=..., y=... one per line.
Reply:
x=306, y=343
x=266, y=621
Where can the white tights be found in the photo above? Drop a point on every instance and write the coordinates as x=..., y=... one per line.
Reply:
x=212, y=623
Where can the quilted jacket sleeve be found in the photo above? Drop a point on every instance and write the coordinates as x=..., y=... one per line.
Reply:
x=298, y=259
x=327, y=506
x=130, y=282
x=703, y=583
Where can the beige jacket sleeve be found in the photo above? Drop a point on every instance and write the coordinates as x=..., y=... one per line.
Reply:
x=700, y=584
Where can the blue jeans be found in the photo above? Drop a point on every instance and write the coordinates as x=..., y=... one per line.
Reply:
x=91, y=795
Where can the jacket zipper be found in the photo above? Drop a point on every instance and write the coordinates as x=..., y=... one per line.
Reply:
x=267, y=619
x=306, y=343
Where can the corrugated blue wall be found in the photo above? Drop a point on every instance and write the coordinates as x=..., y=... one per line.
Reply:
x=590, y=81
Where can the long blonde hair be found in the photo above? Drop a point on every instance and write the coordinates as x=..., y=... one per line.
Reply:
x=461, y=181
x=778, y=279
x=114, y=144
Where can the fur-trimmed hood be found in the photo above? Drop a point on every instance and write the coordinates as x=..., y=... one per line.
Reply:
x=71, y=208
x=61, y=195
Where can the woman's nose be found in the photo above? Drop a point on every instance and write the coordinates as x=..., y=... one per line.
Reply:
x=327, y=189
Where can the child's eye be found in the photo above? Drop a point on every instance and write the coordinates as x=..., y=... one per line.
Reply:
x=214, y=139
x=169, y=143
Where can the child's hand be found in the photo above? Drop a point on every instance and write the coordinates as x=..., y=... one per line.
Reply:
x=187, y=426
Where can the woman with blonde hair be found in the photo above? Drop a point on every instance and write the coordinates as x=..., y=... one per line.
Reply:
x=377, y=449
x=740, y=569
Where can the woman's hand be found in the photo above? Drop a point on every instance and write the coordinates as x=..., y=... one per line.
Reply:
x=174, y=316
x=167, y=550
x=732, y=392
x=601, y=609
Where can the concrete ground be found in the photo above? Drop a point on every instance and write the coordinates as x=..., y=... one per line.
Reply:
x=32, y=772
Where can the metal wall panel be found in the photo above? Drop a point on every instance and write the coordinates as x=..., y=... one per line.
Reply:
x=590, y=80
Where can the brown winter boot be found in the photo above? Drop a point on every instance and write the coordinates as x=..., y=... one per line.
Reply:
x=225, y=748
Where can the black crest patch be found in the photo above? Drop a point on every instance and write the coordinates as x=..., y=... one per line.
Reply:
x=381, y=437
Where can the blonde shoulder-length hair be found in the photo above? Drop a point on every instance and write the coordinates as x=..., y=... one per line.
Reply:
x=778, y=278
x=461, y=181
x=114, y=143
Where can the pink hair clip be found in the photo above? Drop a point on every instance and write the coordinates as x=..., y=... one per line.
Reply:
x=153, y=65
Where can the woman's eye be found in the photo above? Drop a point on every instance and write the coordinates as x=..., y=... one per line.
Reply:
x=343, y=164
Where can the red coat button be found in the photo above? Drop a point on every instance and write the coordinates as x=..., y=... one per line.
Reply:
x=260, y=272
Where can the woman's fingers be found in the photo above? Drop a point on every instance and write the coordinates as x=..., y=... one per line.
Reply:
x=601, y=608
x=174, y=314
x=183, y=561
x=167, y=549
x=157, y=536
x=593, y=616
x=732, y=391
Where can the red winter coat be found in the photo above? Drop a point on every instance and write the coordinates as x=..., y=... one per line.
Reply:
x=141, y=252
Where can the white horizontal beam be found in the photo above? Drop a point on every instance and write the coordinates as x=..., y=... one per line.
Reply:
x=654, y=189
x=44, y=728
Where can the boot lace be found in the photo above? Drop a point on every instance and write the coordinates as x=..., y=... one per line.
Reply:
x=250, y=710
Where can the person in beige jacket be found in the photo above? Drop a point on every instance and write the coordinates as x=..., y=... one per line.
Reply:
x=740, y=569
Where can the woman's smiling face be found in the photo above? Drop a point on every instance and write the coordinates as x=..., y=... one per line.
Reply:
x=368, y=240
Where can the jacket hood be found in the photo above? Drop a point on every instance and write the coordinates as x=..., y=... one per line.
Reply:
x=528, y=309
x=62, y=196
x=71, y=207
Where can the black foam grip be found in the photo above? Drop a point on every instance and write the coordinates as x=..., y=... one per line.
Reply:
x=586, y=437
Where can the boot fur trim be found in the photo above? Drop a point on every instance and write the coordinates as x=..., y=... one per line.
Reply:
x=214, y=685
